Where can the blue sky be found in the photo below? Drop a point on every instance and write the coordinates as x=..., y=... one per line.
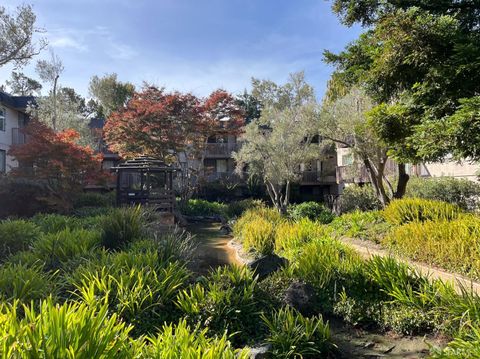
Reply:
x=189, y=45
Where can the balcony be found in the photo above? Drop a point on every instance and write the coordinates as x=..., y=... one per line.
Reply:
x=348, y=174
x=224, y=176
x=18, y=137
x=318, y=177
x=220, y=149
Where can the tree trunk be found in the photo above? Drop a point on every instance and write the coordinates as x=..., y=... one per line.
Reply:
x=403, y=178
x=275, y=192
x=54, y=119
x=376, y=178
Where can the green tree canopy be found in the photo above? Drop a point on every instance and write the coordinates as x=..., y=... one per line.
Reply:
x=420, y=57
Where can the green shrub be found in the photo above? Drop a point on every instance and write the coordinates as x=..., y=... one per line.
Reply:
x=201, y=207
x=419, y=210
x=122, y=226
x=290, y=236
x=64, y=331
x=357, y=311
x=25, y=283
x=92, y=199
x=225, y=302
x=16, y=236
x=407, y=320
x=294, y=336
x=363, y=225
x=462, y=347
x=58, y=249
x=52, y=223
x=176, y=245
x=237, y=208
x=452, y=245
x=180, y=341
x=461, y=192
x=140, y=295
x=85, y=212
x=325, y=261
x=312, y=210
x=259, y=235
x=358, y=198
x=268, y=214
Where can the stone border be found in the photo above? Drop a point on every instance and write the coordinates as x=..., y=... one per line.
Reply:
x=241, y=256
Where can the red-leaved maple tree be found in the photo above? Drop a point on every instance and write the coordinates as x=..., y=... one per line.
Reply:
x=56, y=158
x=172, y=126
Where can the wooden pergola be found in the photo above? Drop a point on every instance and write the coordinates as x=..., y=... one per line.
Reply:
x=146, y=181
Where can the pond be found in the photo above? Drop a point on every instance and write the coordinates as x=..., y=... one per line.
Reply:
x=213, y=249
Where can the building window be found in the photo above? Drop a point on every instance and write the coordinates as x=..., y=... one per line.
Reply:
x=3, y=119
x=221, y=166
x=209, y=163
x=3, y=161
x=347, y=160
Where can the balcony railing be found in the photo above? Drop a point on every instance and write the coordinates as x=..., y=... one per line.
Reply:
x=227, y=176
x=221, y=149
x=18, y=137
x=318, y=177
x=349, y=174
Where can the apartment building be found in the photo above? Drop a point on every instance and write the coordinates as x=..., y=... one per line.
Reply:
x=13, y=116
x=347, y=172
x=318, y=178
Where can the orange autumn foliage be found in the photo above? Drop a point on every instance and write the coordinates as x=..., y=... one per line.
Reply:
x=56, y=158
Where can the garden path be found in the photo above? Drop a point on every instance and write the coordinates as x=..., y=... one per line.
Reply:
x=368, y=249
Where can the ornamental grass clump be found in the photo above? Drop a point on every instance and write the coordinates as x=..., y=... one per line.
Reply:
x=327, y=263
x=70, y=330
x=363, y=225
x=407, y=210
x=58, y=249
x=226, y=301
x=52, y=223
x=16, y=236
x=178, y=341
x=453, y=245
x=140, y=295
x=121, y=227
x=25, y=283
x=259, y=235
x=291, y=236
x=291, y=335
x=269, y=214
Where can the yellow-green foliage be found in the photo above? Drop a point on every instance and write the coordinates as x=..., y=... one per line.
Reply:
x=269, y=214
x=323, y=261
x=291, y=235
x=71, y=330
x=358, y=224
x=259, y=234
x=256, y=228
x=180, y=341
x=449, y=244
x=419, y=210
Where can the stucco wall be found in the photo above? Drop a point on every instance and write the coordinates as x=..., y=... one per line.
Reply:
x=451, y=168
x=6, y=136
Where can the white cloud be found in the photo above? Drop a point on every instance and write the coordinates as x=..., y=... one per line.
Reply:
x=121, y=51
x=67, y=42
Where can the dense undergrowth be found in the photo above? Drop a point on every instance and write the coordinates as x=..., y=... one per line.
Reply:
x=380, y=292
x=110, y=286
x=104, y=283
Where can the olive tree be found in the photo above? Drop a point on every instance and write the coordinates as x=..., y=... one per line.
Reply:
x=275, y=144
x=16, y=33
x=346, y=121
